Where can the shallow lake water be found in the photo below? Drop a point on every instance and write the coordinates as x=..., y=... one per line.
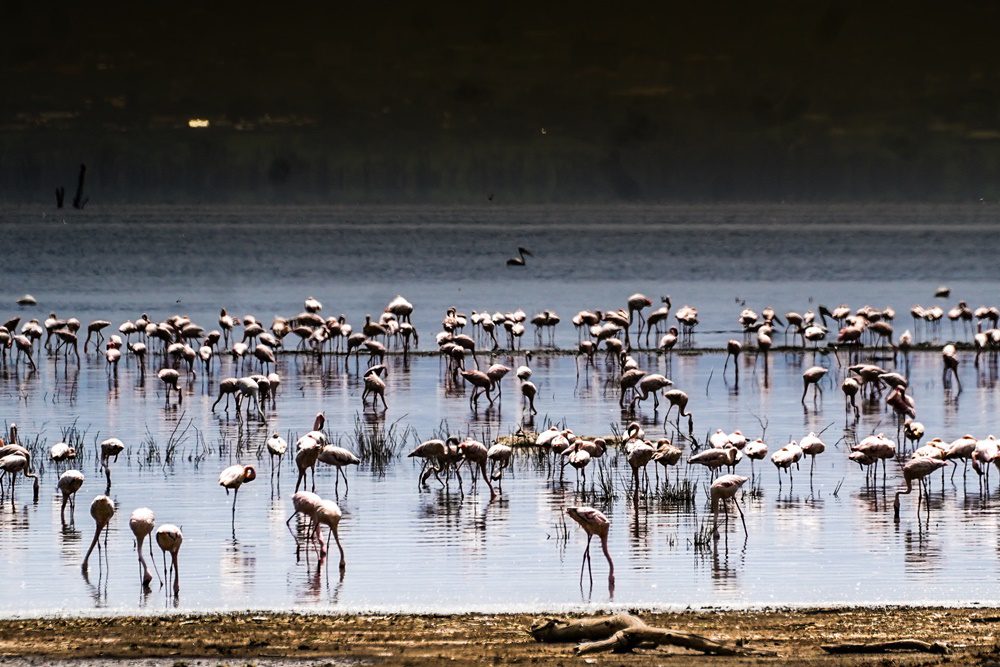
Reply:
x=828, y=540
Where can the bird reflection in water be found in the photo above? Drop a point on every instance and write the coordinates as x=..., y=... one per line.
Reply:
x=99, y=590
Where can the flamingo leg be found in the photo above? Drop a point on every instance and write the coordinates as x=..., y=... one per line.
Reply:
x=336, y=537
x=742, y=518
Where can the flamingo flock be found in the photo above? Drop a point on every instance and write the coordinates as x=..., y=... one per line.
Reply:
x=183, y=348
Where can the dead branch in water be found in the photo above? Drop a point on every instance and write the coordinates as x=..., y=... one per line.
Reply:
x=622, y=633
x=885, y=647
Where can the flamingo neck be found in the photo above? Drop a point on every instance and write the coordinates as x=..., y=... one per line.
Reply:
x=607, y=554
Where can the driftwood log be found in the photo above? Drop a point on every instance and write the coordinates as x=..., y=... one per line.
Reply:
x=888, y=647
x=622, y=633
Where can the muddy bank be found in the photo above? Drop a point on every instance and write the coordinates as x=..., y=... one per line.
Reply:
x=794, y=635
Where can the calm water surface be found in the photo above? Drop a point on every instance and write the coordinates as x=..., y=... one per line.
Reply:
x=437, y=549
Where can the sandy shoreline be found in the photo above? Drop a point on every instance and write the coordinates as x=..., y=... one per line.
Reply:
x=280, y=638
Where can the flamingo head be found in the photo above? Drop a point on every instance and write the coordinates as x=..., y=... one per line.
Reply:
x=249, y=473
x=319, y=422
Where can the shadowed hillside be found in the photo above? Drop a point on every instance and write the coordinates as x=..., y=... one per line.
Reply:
x=401, y=102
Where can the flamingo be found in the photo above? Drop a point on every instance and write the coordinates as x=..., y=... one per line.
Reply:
x=69, y=483
x=913, y=431
x=431, y=451
x=227, y=388
x=401, y=308
x=961, y=448
x=877, y=447
x=111, y=447
x=61, y=451
x=141, y=522
x=102, y=509
x=170, y=377
x=812, y=446
x=851, y=387
x=496, y=373
x=636, y=303
x=304, y=502
x=339, y=458
x=713, y=459
x=638, y=454
x=247, y=389
x=650, y=384
x=678, y=399
x=312, y=305
x=812, y=376
x=657, y=317
x=666, y=454
x=477, y=455
x=724, y=488
x=481, y=383
x=784, y=458
x=528, y=393
x=755, y=450
x=950, y=357
x=328, y=514
x=374, y=385
x=12, y=464
x=579, y=458
x=733, y=349
x=915, y=469
x=593, y=523
x=499, y=456
x=306, y=455
x=233, y=477
x=276, y=446
x=169, y=538
x=95, y=327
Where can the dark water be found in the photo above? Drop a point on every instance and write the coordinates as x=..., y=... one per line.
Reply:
x=437, y=549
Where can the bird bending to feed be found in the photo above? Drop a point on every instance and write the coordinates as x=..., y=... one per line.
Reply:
x=724, y=488
x=519, y=260
x=69, y=483
x=141, y=522
x=102, y=509
x=593, y=523
x=328, y=514
x=169, y=538
x=916, y=469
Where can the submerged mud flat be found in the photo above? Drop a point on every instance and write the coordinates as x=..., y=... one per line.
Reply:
x=256, y=638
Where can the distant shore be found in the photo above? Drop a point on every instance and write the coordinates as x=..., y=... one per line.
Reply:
x=794, y=635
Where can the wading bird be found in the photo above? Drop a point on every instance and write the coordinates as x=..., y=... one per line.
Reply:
x=169, y=539
x=593, y=523
x=233, y=478
x=102, y=509
x=141, y=522
x=69, y=483
x=723, y=489
x=916, y=469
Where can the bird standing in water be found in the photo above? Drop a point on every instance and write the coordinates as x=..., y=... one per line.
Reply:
x=593, y=523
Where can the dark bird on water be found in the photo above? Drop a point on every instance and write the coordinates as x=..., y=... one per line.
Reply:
x=519, y=260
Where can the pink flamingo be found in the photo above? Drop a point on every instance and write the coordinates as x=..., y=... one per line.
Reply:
x=724, y=488
x=169, y=538
x=233, y=477
x=141, y=522
x=593, y=523
x=102, y=509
